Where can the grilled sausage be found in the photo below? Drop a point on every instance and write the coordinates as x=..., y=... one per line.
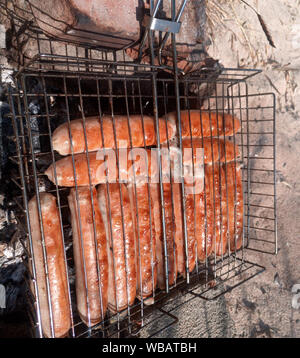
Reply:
x=210, y=204
x=199, y=124
x=155, y=198
x=174, y=182
x=204, y=225
x=121, y=254
x=179, y=232
x=170, y=237
x=235, y=205
x=142, y=209
x=215, y=150
x=142, y=131
x=179, y=237
x=217, y=202
x=97, y=164
x=90, y=254
x=58, y=284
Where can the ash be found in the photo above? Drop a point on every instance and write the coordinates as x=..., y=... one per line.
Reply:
x=12, y=253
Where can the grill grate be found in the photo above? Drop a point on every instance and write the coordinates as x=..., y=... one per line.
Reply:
x=133, y=92
x=55, y=88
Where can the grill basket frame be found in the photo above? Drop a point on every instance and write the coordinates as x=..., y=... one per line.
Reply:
x=225, y=91
x=203, y=283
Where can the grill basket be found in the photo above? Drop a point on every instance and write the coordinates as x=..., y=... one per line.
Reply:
x=57, y=87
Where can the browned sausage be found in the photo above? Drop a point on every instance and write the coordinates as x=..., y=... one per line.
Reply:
x=179, y=233
x=179, y=237
x=143, y=214
x=211, y=211
x=214, y=149
x=121, y=256
x=139, y=127
x=217, y=200
x=58, y=283
x=97, y=164
x=199, y=124
x=155, y=198
x=235, y=204
x=177, y=207
x=170, y=234
x=204, y=223
x=91, y=297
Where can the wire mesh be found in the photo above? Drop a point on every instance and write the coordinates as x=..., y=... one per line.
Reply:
x=51, y=99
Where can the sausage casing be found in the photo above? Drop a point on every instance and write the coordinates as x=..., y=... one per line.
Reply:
x=142, y=132
x=170, y=235
x=58, y=283
x=200, y=124
x=179, y=232
x=90, y=255
x=217, y=202
x=235, y=205
x=215, y=150
x=103, y=167
x=121, y=255
x=142, y=209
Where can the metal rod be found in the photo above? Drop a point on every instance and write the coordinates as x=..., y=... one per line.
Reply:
x=155, y=111
x=177, y=93
x=27, y=116
x=25, y=200
x=162, y=45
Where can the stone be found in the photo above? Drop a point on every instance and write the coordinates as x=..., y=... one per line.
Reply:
x=106, y=23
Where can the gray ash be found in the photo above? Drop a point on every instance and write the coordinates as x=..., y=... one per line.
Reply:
x=12, y=269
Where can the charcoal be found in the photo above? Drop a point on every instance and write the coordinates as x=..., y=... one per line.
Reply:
x=15, y=325
x=6, y=147
x=7, y=231
x=71, y=275
x=12, y=278
x=34, y=127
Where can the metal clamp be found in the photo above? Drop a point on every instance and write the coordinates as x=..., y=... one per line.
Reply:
x=154, y=24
